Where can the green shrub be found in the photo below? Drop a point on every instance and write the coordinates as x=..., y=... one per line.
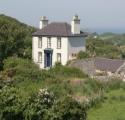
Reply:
x=21, y=69
x=38, y=105
x=82, y=55
x=65, y=72
x=61, y=88
x=68, y=109
x=10, y=104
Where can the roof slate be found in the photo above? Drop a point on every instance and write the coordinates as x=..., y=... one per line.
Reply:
x=57, y=29
x=105, y=64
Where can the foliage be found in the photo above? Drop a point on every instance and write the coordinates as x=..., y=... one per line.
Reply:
x=10, y=104
x=37, y=106
x=21, y=69
x=42, y=105
x=64, y=71
x=82, y=55
x=68, y=109
x=15, y=38
x=102, y=48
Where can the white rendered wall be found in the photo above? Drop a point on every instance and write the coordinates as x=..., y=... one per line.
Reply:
x=75, y=45
x=35, y=51
x=63, y=50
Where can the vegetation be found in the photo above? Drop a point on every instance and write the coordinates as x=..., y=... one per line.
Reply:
x=60, y=93
x=15, y=38
x=107, y=45
x=112, y=108
x=102, y=48
x=82, y=55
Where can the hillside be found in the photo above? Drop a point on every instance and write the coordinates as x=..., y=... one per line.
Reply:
x=15, y=38
x=60, y=93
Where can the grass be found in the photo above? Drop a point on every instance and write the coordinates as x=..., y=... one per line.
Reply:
x=113, y=107
x=67, y=81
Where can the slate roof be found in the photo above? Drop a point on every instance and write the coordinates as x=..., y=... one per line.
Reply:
x=105, y=64
x=90, y=65
x=57, y=29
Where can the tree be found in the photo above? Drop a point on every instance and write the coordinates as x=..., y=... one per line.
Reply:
x=15, y=38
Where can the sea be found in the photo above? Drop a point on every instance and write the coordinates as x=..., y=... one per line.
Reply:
x=106, y=30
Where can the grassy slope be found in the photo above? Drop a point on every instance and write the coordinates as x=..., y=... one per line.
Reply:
x=113, y=107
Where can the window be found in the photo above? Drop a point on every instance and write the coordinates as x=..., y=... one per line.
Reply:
x=58, y=57
x=39, y=57
x=59, y=43
x=40, y=42
x=49, y=42
x=74, y=55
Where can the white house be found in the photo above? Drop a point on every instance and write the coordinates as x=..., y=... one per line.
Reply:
x=57, y=42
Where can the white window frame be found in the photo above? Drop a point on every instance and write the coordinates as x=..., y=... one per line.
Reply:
x=59, y=57
x=59, y=43
x=39, y=57
x=48, y=42
x=40, y=42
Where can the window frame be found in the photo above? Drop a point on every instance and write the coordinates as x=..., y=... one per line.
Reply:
x=40, y=42
x=40, y=57
x=49, y=42
x=59, y=57
x=59, y=43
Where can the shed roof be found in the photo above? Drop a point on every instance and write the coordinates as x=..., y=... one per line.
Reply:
x=105, y=64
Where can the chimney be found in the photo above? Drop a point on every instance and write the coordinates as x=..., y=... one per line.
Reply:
x=75, y=25
x=43, y=22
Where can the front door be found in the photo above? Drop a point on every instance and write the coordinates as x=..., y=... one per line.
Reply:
x=48, y=59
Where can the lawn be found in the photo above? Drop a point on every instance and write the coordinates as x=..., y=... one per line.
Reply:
x=113, y=107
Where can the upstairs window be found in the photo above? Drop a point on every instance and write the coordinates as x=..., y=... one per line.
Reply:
x=40, y=42
x=59, y=57
x=48, y=42
x=39, y=57
x=59, y=43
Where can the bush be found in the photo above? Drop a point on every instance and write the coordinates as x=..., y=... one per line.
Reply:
x=64, y=72
x=21, y=69
x=10, y=104
x=68, y=109
x=82, y=55
x=37, y=106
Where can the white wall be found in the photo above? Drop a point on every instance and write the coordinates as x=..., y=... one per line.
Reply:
x=63, y=50
x=75, y=45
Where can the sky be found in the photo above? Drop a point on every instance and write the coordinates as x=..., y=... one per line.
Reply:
x=94, y=14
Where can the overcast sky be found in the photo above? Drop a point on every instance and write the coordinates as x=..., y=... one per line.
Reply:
x=93, y=13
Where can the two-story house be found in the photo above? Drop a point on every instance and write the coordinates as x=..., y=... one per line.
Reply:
x=57, y=42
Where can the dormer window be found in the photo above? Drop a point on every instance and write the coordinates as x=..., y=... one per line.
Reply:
x=40, y=42
x=48, y=42
x=59, y=43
